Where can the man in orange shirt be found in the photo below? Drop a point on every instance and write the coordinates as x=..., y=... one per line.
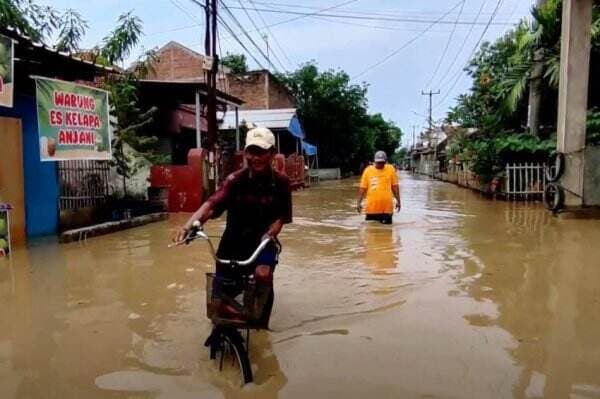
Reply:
x=380, y=184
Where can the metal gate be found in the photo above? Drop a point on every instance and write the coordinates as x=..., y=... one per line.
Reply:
x=83, y=183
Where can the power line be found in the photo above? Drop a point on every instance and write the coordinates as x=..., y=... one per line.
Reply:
x=408, y=43
x=462, y=7
x=498, y=4
x=462, y=46
x=375, y=18
x=271, y=33
x=258, y=29
x=405, y=13
x=266, y=26
x=388, y=28
x=237, y=22
x=185, y=11
x=237, y=39
x=318, y=12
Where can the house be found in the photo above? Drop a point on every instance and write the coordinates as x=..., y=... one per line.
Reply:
x=31, y=186
x=260, y=90
x=174, y=61
x=262, y=96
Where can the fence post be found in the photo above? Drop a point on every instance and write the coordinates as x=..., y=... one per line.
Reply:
x=507, y=179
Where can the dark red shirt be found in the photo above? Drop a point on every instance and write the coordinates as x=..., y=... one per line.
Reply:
x=252, y=203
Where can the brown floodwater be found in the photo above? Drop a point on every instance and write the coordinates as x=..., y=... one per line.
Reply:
x=462, y=297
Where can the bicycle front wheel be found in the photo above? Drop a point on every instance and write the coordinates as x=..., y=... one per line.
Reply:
x=232, y=345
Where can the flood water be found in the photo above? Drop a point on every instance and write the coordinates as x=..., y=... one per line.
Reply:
x=462, y=297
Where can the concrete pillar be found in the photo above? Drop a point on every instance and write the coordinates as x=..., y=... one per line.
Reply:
x=237, y=129
x=198, y=122
x=535, y=93
x=573, y=95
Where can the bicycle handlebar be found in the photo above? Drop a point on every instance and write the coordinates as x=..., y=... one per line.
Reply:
x=197, y=232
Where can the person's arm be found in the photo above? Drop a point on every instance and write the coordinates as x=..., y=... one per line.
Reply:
x=396, y=191
x=361, y=195
x=362, y=191
x=212, y=207
x=275, y=228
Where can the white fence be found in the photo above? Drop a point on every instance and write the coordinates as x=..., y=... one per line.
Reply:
x=525, y=179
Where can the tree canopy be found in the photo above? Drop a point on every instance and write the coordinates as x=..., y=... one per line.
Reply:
x=334, y=115
x=497, y=103
x=235, y=62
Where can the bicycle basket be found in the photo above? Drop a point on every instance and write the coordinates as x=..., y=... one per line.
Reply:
x=228, y=301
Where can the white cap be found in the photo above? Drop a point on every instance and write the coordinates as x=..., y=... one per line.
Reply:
x=260, y=137
x=380, y=156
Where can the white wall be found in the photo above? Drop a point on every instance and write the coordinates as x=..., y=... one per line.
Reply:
x=137, y=185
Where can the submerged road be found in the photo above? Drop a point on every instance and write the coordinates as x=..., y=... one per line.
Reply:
x=462, y=297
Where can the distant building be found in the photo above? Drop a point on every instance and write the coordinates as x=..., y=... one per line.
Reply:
x=174, y=61
x=260, y=90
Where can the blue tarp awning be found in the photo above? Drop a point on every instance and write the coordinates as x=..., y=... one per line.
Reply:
x=295, y=128
x=309, y=149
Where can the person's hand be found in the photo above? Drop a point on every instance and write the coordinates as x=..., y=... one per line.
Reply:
x=267, y=236
x=398, y=206
x=181, y=234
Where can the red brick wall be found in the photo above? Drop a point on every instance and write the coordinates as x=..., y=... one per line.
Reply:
x=175, y=62
x=253, y=89
x=250, y=88
x=279, y=97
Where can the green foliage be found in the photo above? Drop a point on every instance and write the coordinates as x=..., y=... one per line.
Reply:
x=497, y=102
x=72, y=30
x=488, y=156
x=5, y=60
x=593, y=127
x=129, y=127
x=145, y=63
x=334, y=115
x=399, y=156
x=236, y=62
x=118, y=44
x=38, y=22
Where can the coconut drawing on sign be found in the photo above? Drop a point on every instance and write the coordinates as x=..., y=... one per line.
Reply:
x=47, y=147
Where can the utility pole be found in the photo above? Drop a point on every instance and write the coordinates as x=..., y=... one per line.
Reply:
x=210, y=48
x=431, y=94
x=413, y=138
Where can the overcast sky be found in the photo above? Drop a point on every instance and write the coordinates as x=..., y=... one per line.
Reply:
x=396, y=55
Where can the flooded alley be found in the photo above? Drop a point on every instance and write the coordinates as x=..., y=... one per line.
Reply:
x=461, y=297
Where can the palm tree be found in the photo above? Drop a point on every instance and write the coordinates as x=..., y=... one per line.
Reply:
x=538, y=43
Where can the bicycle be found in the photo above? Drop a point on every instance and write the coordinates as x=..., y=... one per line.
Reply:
x=230, y=304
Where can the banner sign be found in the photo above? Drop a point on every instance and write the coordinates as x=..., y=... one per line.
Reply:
x=73, y=121
x=7, y=50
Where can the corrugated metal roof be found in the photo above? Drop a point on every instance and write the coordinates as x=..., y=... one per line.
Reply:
x=17, y=35
x=269, y=118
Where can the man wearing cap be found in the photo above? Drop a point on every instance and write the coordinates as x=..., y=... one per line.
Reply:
x=379, y=183
x=258, y=202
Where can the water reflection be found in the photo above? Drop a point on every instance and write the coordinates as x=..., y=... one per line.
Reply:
x=460, y=297
x=540, y=273
x=380, y=247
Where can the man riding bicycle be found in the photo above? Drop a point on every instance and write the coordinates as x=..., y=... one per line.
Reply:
x=258, y=202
